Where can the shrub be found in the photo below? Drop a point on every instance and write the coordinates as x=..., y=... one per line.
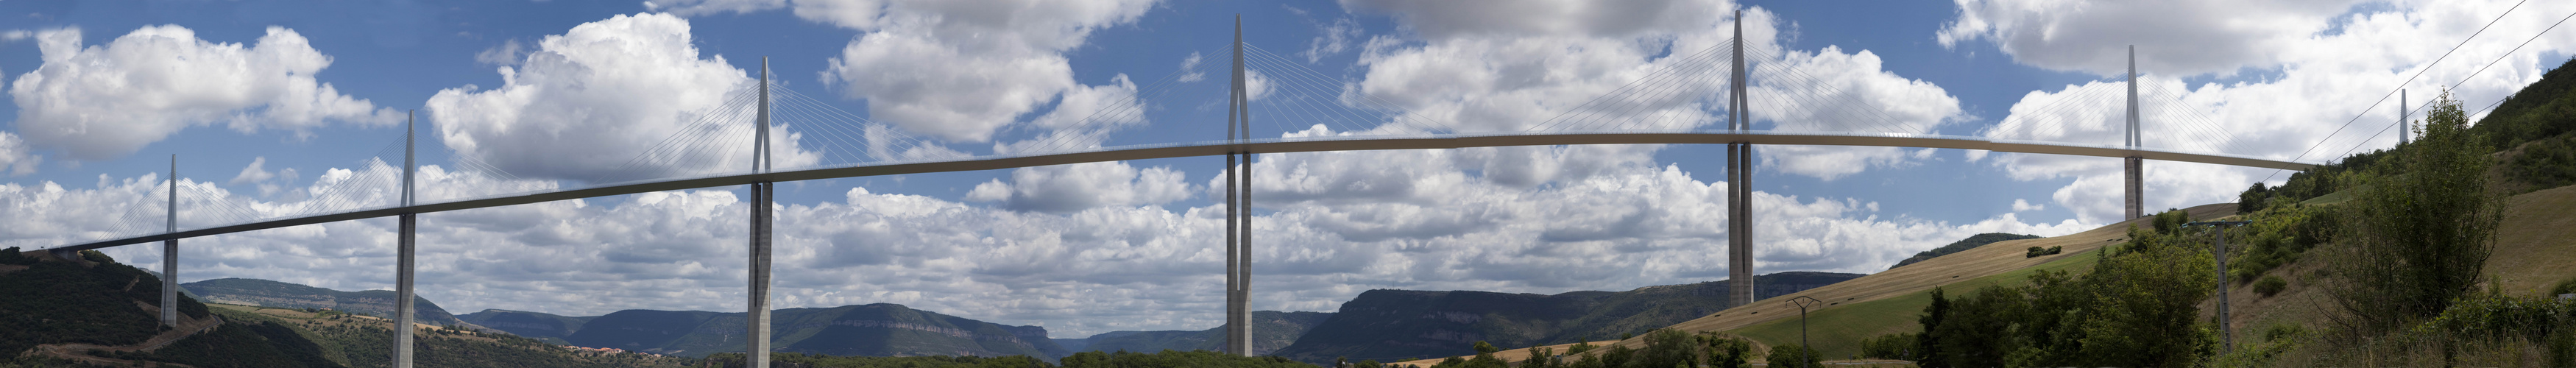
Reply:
x=2271, y=285
x=1792, y=355
x=1899, y=346
x=2037, y=251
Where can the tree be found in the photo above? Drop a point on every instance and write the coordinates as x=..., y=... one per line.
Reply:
x=2253, y=199
x=1726, y=352
x=2421, y=227
x=1928, y=351
x=1792, y=356
x=2146, y=310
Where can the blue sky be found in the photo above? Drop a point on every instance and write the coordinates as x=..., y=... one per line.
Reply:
x=560, y=93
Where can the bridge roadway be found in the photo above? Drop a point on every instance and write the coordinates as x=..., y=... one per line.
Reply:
x=1214, y=148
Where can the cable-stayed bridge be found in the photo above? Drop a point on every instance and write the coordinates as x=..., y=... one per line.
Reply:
x=1679, y=100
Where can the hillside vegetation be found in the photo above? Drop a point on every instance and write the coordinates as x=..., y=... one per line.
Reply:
x=541, y=326
x=1271, y=330
x=1971, y=242
x=96, y=311
x=1390, y=325
x=379, y=303
x=855, y=330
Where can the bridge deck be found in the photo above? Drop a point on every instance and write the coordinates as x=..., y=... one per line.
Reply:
x=1214, y=148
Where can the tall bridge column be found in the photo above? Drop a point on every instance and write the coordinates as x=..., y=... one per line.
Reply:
x=1739, y=185
x=756, y=318
x=170, y=255
x=2133, y=168
x=1238, y=210
x=407, y=224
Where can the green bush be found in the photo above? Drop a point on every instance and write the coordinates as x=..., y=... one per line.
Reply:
x=1900, y=346
x=2037, y=251
x=1792, y=355
x=2271, y=285
x=2545, y=164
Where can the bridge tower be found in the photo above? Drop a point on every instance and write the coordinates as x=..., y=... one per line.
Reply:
x=2133, y=167
x=408, y=225
x=1238, y=209
x=1739, y=184
x=170, y=254
x=756, y=319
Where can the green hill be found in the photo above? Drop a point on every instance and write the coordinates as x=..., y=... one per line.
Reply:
x=534, y=325
x=95, y=311
x=1271, y=330
x=856, y=330
x=275, y=294
x=1388, y=325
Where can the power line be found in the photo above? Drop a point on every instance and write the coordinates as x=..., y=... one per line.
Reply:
x=2400, y=86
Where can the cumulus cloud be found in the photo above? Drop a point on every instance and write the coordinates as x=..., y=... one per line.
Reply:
x=104, y=101
x=2020, y=205
x=961, y=70
x=1075, y=187
x=14, y=155
x=1492, y=67
x=1338, y=38
x=2190, y=37
x=1450, y=19
x=258, y=174
x=2330, y=76
x=584, y=105
x=507, y=53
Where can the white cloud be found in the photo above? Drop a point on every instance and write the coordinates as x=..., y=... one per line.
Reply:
x=1612, y=19
x=104, y=101
x=1191, y=65
x=506, y=54
x=700, y=7
x=586, y=104
x=2324, y=80
x=257, y=174
x=1075, y=187
x=2188, y=37
x=1338, y=38
x=14, y=155
x=2020, y=205
x=961, y=70
x=254, y=173
x=1484, y=68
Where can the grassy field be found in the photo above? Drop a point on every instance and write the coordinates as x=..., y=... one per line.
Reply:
x=2535, y=249
x=1837, y=329
x=1893, y=298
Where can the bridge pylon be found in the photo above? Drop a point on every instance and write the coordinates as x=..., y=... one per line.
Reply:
x=408, y=225
x=1739, y=184
x=1238, y=208
x=756, y=316
x=170, y=255
x=2133, y=168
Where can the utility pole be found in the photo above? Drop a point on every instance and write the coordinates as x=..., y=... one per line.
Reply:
x=756, y=317
x=1739, y=184
x=408, y=224
x=2226, y=335
x=2406, y=127
x=170, y=254
x=1806, y=349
